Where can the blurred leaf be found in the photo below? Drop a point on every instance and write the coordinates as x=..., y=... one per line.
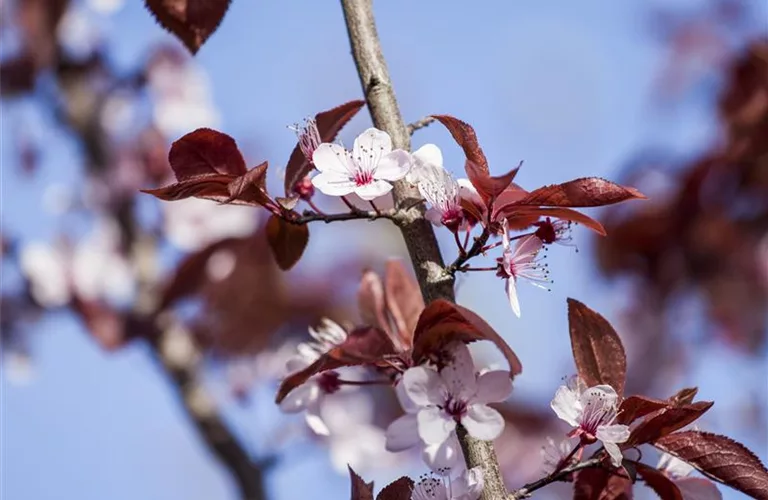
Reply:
x=192, y=21
x=287, y=241
x=659, y=482
x=601, y=484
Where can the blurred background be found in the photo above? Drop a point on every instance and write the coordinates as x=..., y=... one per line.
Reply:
x=669, y=97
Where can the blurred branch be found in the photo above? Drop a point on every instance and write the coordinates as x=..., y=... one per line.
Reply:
x=529, y=488
x=417, y=232
x=424, y=122
x=179, y=356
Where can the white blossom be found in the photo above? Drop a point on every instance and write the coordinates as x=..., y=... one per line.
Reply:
x=467, y=486
x=520, y=263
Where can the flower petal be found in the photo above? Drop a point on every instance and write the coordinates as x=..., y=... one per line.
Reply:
x=315, y=421
x=459, y=374
x=333, y=158
x=301, y=397
x=567, y=406
x=614, y=452
x=393, y=166
x=408, y=405
x=674, y=466
x=372, y=140
x=434, y=216
x=402, y=433
x=434, y=425
x=514, y=303
x=493, y=387
x=373, y=190
x=334, y=184
x=445, y=455
x=599, y=396
x=483, y=422
x=469, y=485
x=612, y=433
x=423, y=386
x=429, y=154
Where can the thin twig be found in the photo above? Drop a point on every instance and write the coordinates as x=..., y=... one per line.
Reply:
x=477, y=249
x=309, y=216
x=529, y=488
x=424, y=122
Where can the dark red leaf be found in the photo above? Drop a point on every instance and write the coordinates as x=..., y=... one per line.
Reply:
x=210, y=187
x=635, y=407
x=721, y=459
x=597, y=348
x=371, y=302
x=192, y=21
x=585, y=192
x=488, y=187
x=360, y=489
x=515, y=213
x=443, y=322
x=659, y=482
x=403, y=299
x=602, y=484
x=206, y=151
x=287, y=241
x=363, y=346
x=684, y=396
x=400, y=489
x=329, y=123
x=666, y=421
x=251, y=187
x=465, y=137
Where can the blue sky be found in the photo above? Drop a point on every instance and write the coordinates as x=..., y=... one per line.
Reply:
x=566, y=87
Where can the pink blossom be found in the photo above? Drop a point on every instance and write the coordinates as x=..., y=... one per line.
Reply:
x=366, y=171
x=309, y=395
x=520, y=263
x=557, y=231
x=592, y=413
x=557, y=456
x=467, y=486
x=438, y=187
x=692, y=488
x=436, y=401
x=309, y=137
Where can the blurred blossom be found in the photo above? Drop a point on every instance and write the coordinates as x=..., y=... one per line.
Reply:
x=692, y=488
x=79, y=33
x=556, y=455
x=182, y=96
x=220, y=265
x=106, y=6
x=45, y=267
x=192, y=224
x=58, y=198
x=118, y=113
x=18, y=367
x=353, y=438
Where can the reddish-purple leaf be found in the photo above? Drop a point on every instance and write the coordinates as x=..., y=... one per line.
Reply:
x=515, y=213
x=360, y=489
x=635, y=407
x=666, y=421
x=403, y=299
x=597, y=348
x=210, y=187
x=251, y=187
x=465, y=137
x=585, y=192
x=287, y=241
x=400, y=489
x=684, y=396
x=363, y=346
x=329, y=123
x=488, y=187
x=443, y=322
x=192, y=21
x=721, y=459
x=203, y=152
x=371, y=302
x=602, y=484
x=658, y=482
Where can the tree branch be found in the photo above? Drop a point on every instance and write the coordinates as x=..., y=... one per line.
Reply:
x=424, y=122
x=417, y=232
x=309, y=216
x=529, y=488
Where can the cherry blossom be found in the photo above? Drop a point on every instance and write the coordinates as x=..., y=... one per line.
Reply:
x=191, y=224
x=692, y=488
x=557, y=231
x=309, y=137
x=309, y=396
x=435, y=402
x=438, y=187
x=520, y=263
x=467, y=486
x=557, y=456
x=367, y=170
x=592, y=413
